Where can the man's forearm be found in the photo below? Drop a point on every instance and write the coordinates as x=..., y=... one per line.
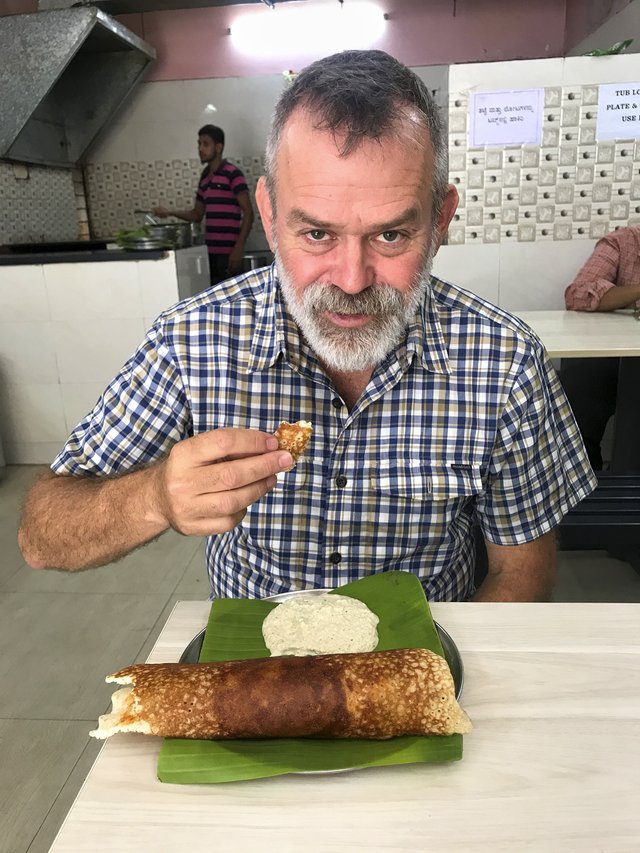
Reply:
x=520, y=572
x=495, y=588
x=245, y=229
x=619, y=297
x=186, y=215
x=77, y=523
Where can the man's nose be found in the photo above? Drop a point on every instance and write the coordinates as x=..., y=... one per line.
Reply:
x=353, y=268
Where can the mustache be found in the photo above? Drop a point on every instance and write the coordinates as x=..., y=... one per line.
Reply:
x=376, y=300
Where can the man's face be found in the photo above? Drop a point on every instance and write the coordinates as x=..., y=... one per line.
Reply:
x=352, y=237
x=208, y=149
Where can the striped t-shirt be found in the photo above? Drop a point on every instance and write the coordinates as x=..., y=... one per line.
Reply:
x=218, y=193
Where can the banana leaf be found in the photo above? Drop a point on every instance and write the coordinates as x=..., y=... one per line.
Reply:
x=234, y=632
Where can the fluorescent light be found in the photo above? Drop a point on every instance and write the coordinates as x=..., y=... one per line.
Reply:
x=291, y=30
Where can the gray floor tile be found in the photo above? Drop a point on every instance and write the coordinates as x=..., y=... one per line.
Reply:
x=195, y=578
x=63, y=802
x=36, y=758
x=154, y=568
x=14, y=482
x=153, y=635
x=58, y=648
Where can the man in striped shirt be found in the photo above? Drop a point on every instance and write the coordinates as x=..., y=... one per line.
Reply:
x=432, y=410
x=223, y=201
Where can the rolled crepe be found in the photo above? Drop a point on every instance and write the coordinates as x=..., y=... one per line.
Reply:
x=369, y=695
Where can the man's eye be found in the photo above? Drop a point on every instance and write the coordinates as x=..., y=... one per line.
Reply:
x=391, y=236
x=317, y=235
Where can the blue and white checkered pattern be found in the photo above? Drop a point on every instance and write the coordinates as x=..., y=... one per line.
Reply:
x=466, y=420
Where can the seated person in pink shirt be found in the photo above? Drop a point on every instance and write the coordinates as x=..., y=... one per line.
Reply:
x=609, y=280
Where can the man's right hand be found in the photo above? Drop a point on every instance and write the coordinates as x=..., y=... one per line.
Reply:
x=162, y=212
x=207, y=482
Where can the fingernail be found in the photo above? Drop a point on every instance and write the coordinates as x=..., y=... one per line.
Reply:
x=285, y=460
x=272, y=443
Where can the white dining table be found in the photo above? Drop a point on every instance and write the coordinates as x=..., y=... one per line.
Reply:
x=552, y=764
x=572, y=334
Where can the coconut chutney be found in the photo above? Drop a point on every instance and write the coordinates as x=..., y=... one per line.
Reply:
x=320, y=625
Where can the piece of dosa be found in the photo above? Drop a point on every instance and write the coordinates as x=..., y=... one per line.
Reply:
x=374, y=695
x=294, y=438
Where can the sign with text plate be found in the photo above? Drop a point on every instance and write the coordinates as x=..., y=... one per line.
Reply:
x=506, y=118
x=618, y=111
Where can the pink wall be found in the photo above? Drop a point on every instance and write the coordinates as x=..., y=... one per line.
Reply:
x=193, y=43
x=18, y=7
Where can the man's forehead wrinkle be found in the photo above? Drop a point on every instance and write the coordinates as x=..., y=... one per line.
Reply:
x=408, y=217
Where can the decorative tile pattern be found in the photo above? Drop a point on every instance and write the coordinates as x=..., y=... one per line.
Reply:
x=117, y=190
x=568, y=188
x=40, y=208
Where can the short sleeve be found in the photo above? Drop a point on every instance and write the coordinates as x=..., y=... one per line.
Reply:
x=237, y=182
x=539, y=469
x=136, y=421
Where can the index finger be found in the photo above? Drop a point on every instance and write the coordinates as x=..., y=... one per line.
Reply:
x=230, y=443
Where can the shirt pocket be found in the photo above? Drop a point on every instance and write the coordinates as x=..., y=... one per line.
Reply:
x=428, y=482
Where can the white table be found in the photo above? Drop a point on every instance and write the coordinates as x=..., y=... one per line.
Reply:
x=553, y=763
x=572, y=334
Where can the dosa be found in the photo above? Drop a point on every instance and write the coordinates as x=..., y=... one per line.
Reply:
x=294, y=438
x=364, y=695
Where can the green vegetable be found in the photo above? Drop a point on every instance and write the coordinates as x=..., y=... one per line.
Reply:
x=124, y=236
x=618, y=47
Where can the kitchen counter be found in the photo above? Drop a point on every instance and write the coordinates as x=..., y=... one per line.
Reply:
x=68, y=322
x=551, y=764
x=74, y=257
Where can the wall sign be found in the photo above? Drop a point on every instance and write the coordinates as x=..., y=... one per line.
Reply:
x=618, y=111
x=506, y=118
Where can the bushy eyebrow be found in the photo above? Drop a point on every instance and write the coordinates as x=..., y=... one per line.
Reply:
x=299, y=218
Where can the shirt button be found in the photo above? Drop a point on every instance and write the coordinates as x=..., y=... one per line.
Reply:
x=341, y=481
x=336, y=403
x=335, y=558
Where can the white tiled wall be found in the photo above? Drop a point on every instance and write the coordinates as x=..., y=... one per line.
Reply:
x=149, y=156
x=570, y=187
x=65, y=331
x=516, y=276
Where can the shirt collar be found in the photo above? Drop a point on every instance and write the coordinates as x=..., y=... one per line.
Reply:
x=276, y=333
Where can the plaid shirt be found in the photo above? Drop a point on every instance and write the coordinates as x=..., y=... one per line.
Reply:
x=465, y=420
x=615, y=261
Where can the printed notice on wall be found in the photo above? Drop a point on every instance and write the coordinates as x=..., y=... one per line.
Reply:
x=506, y=118
x=618, y=111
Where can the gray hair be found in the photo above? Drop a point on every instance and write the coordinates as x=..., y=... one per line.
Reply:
x=360, y=95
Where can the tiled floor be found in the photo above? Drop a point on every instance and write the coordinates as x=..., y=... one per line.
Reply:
x=61, y=633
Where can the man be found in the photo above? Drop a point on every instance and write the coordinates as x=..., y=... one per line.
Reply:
x=431, y=408
x=223, y=200
x=609, y=280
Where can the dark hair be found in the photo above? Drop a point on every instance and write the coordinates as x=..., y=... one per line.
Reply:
x=213, y=132
x=360, y=94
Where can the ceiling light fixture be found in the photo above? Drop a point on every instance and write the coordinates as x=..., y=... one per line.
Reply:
x=340, y=26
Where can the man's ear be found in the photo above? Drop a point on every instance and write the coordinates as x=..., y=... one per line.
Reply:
x=447, y=209
x=263, y=201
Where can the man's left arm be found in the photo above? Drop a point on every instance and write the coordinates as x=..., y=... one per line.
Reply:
x=235, y=258
x=520, y=572
x=537, y=473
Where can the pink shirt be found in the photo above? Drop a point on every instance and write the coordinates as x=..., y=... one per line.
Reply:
x=223, y=215
x=615, y=261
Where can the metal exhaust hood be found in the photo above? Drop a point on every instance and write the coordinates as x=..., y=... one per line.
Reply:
x=63, y=75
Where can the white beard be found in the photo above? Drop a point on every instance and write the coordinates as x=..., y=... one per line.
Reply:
x=350, y=350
